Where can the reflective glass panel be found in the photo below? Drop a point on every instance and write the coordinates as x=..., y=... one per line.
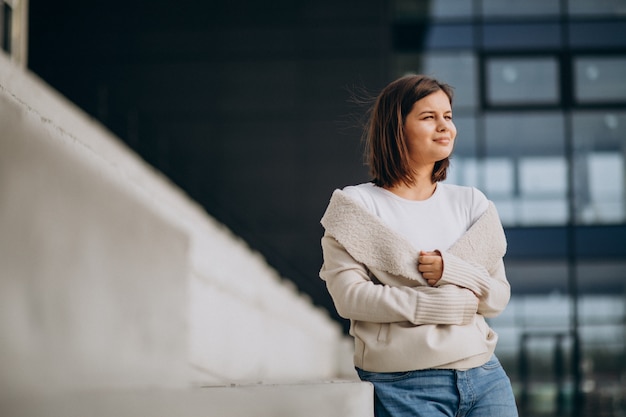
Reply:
x=455, y=35
x=463, y=171
x=434, y=9
x=460, y=71
x=465, y=142
x=543, y=176
x=457, y=69
x=525, y=169
x=491, y=8
x=600, y=79
x=525, y=134
x=596, y=7
x=522, y=81
x=507, y=36
x=464, y=164
x=600, y=174
x=601, y=34
x=499, y=177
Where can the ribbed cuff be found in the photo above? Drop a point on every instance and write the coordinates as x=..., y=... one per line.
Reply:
x=456, y=271
x=448, y=304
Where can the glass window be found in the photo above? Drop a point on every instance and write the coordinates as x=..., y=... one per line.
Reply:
x=519, y=134
x=600, y=79
x=499, y=177
x=543, y=190
x=464, y=163
x=463, y=171
x=600, y=174
x=499, y=185
x=458, y=69
x=450, y=36
x=543, y=176
x=596, y=7
x=521, y=35
x=606, y=192
x=522, y=81
x=507, y=209
x=525, y=170
x=599, y=130
x=544, y=211
x=465, y=142
x=429, y=8
x=539, y=8
x=600, y=34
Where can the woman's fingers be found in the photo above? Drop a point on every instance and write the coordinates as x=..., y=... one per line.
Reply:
x=430, y=264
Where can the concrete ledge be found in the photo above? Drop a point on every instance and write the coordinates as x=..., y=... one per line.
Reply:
x=111, y=277
x=328, y=399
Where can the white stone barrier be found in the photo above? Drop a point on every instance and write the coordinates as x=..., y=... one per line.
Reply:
x=112, y=278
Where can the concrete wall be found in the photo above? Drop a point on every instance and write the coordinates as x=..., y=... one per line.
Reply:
x=326, y=398
x=110, y=277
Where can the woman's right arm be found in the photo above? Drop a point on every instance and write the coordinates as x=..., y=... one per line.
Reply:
x=356, y=297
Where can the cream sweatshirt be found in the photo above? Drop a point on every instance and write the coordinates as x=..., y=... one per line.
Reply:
x=400, y=323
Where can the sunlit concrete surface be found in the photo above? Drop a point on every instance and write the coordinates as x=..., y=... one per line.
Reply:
x=328, y=399
x=93, y=288
x=113, y=280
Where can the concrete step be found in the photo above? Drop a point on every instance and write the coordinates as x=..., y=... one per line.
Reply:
x=328, y=399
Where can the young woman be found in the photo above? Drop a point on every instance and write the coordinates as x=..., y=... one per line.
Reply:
x=417, y=265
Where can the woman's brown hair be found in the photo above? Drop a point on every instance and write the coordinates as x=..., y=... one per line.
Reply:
x=386, y=149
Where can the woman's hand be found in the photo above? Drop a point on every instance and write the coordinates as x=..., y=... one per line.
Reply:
x=430, y=264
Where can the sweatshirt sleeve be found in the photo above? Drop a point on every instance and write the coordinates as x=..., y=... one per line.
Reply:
x=357, y=297
x=492, y=288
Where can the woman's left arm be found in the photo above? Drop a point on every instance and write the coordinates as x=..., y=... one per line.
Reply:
x=490, y=286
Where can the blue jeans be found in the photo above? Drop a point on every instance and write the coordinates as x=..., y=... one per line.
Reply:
x=484, y=391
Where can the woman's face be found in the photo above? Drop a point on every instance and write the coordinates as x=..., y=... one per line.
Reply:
x=428, y=129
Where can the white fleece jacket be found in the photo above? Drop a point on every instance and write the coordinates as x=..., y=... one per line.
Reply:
x=398, y=321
